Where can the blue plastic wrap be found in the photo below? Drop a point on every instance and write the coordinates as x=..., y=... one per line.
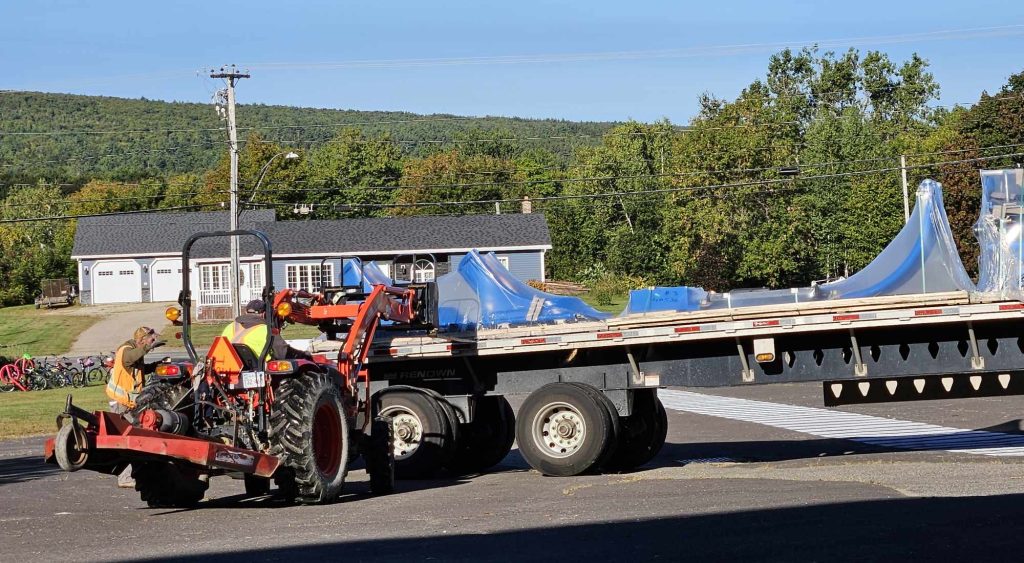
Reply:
x=355, y=272
x=999, y=233
x=654, y=299
x=922, y=258
x=483, y=294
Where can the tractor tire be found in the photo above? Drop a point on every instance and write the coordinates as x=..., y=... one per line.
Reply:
x=488, y=439
x=380, y=456
x=164, y=396
x=256, y=486
x=563, y=430
x=309, y=432
x=162, y=484
x=643, y=433
x=424, y=439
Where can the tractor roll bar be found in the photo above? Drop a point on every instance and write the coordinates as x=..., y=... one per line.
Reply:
x=185, y=297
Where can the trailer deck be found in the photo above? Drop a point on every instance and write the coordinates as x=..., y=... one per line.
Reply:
x=901, y=311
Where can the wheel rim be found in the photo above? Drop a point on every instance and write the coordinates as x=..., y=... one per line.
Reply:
x=407, y=431
x=327, y=439
x=559, y=430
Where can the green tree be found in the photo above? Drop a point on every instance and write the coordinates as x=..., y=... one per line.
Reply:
x=351, y=170
x=34, y=250
x=452, y=176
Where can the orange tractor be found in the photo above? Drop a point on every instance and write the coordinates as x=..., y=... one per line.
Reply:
x=299, y=422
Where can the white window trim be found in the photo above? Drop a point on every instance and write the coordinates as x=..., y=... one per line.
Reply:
x=223, y=277
x=424, y=271
x=293, y=275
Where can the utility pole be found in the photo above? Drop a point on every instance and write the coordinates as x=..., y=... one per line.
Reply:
x=231, y=75
x=906, y=192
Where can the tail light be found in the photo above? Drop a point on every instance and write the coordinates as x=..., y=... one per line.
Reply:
x=280, y=366
x=168, y=370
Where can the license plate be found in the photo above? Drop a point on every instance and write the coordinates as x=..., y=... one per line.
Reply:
x=253, y=379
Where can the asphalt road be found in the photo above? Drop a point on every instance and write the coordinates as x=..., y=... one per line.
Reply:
x=721, y=489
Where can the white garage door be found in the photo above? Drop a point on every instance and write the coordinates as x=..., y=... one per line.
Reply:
x=165, y=279
x=116, y=281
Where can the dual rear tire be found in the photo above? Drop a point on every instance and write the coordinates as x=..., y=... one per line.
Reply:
x=567, y=429
x=429, y=436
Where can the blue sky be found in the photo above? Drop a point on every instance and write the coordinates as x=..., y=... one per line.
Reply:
x=553, y=59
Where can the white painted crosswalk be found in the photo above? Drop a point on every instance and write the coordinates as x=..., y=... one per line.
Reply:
x=866, y=429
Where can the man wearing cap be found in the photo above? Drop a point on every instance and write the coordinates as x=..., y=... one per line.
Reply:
x=250, y=329
x=127, y=378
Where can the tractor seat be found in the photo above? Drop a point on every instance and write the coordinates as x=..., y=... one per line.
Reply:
x=248, y=357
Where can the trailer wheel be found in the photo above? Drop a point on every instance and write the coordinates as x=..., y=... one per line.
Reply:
x=613, y=417
x=643, y=433
x=162, y=484
x=309, y=432
x=423, y=439
x=563, y=430
x=488, y=439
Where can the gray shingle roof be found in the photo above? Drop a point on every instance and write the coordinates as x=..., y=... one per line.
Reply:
x=153, y=233
x=367, y=236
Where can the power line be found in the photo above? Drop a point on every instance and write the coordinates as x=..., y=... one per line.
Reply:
x=513, y=169
x=646, y=192
x=108, y=214
x=71, y=201
x=699, y=51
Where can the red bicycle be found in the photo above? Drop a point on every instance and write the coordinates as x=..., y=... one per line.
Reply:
x=12, y=379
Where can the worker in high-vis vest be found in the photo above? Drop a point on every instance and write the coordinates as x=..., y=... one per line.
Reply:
x=127, y=378
x=250, y=329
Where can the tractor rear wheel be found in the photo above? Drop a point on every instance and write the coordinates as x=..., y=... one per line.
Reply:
x=164, y=396
x=162, y=484
x=310, y=433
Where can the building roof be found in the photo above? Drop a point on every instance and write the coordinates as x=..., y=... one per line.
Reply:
x=164, y=233
x=160, y=233
x=407, y=234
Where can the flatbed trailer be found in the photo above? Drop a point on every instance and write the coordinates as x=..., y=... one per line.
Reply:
x=879, y=349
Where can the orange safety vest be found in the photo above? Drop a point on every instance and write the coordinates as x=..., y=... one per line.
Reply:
x=124, y=385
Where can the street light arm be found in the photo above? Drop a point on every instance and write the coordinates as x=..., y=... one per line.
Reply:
x=288, y=155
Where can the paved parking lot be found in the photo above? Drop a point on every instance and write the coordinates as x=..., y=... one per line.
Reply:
x=724, y=488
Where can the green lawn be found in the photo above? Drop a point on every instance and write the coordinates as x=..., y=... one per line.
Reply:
x=39, y=332
x=27, y=413
x=204, y=333
x=617, y=305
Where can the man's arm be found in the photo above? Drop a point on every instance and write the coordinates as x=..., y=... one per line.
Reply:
x=278, y=347
x=131, y=356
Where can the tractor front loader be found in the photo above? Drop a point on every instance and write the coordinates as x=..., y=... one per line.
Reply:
x=298, y=422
